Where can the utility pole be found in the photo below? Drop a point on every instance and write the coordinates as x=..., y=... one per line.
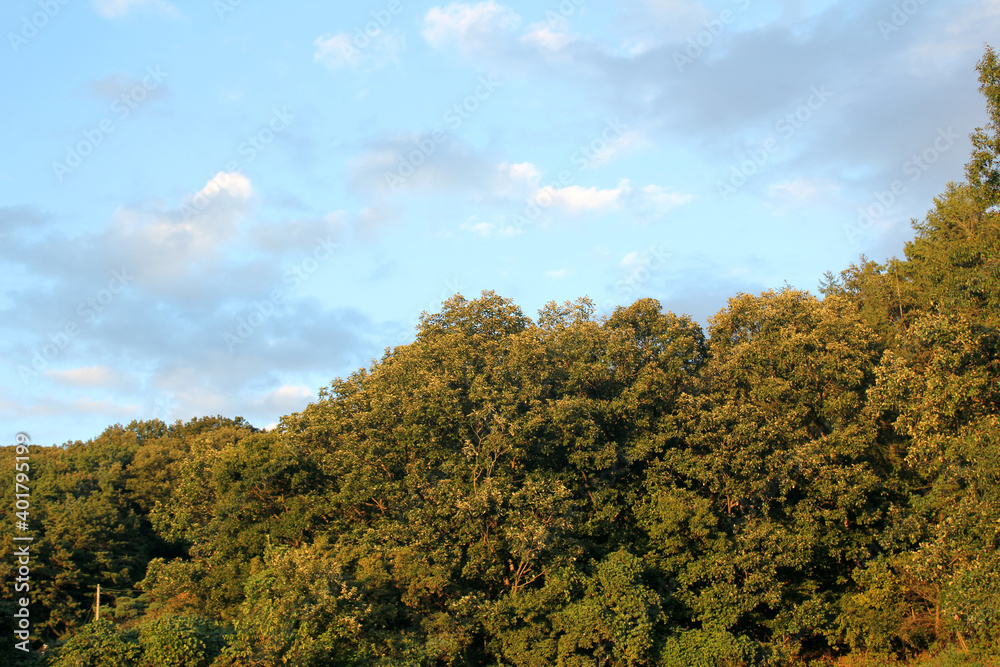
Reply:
x=98, y=602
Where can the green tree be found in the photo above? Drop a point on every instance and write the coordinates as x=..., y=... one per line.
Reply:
x=773, y=490
x=98, y=643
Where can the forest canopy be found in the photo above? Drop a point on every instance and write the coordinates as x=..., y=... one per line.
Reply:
x=808, y=479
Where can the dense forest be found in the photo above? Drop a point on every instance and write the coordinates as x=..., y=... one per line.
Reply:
x=809, y=481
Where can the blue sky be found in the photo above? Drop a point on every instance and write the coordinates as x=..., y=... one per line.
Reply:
x=217, y=207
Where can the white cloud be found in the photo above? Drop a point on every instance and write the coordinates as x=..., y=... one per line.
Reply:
x=518, y=185
x=336, y=51
x=285, y=400
x=112, y=9
x=471, y=28
x=88, y=376
x=163, y=245
x=491, y=29
x=203, y=220
x=344, y=51
x=103, y=407
x=524, y=171
x=476, y=226
x=630, y=258
x=660, y=199
x=489, y=229
x=234, y=183
x=291, y=393
x=544, y=37
x=798, y=192
x=578, y=198
x=801, y=189
x=556, y=274
x=645, y=203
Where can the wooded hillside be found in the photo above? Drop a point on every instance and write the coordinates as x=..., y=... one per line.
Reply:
x=807, y=479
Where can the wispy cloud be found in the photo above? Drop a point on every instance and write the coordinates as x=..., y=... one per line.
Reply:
x=577, y=198
x=472, y=29
x=93, y=377
x=112, y=9
x=344, y=51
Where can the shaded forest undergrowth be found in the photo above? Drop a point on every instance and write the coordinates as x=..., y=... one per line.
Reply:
x=815, y=481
